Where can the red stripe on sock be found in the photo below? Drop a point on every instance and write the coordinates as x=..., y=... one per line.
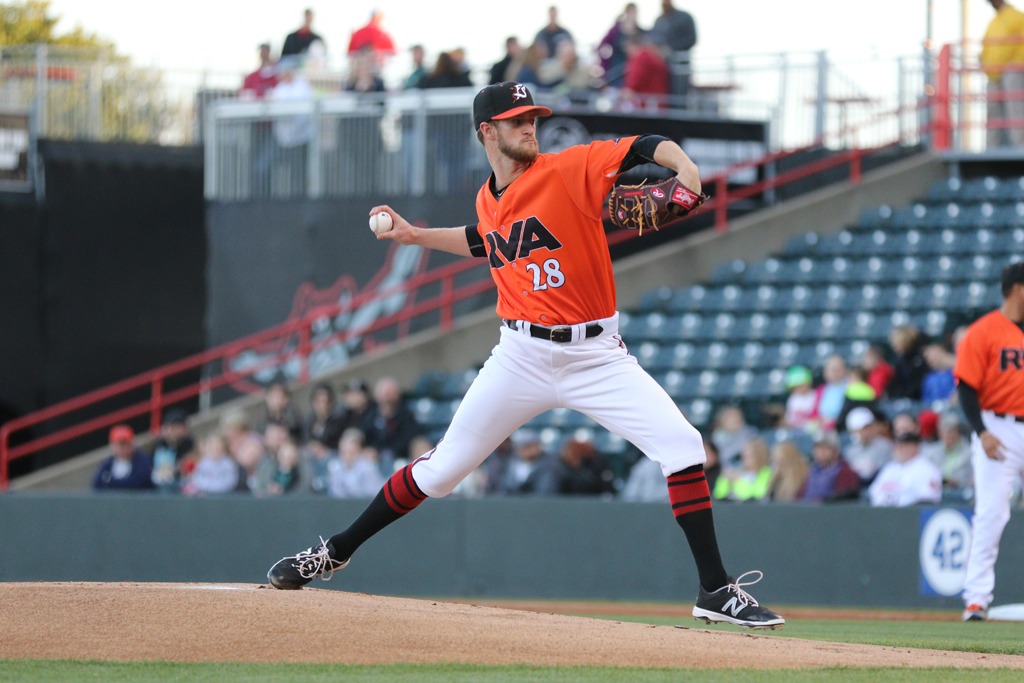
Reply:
x=401, y=491
x=689, y=493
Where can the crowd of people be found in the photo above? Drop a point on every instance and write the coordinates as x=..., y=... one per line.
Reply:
x=837, y=445
x=630, y=59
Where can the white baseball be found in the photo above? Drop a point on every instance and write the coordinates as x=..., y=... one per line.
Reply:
x=380, y=222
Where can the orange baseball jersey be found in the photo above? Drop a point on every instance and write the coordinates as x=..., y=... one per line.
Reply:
x=990, y=358
x=545, y=240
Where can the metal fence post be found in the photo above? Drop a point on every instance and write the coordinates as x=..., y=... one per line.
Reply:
x=210, y=139
x=924, y=112
x=419, y=162
x=314, y=184
x=95, y=124
x=901, y=88
x=41, y=89
x=822, y=98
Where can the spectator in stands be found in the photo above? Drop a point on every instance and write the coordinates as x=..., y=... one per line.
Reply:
x=750, y=483
x=446, y=74
x=938, y=385
x=354, y=473
x=676, y=33
x=324, y=423
x=790, y=471
x=459, y=57
x=418, y=70
x=1002, y=58
x=390, y=424
x=928, y=426
x=802, y=404
x=858, y=394
x=215, y=472
x=612, y=50
x=564, y=73
x=879, y=372
x=531, y=471
x=527, y=68
x=372, y=36
x=646, y=75
x=279, y=471
x=245, y=447
x=730, y=434
x=583, y=471
x=646, y=483
x=496, y=465
x=263, y=79
x=174, y=451
x=127, y=468
x=364, y=77
x=357, y=405
x=298, y=43
x=500, y=70
x=713, y=464
x=292, y=134
x=832, y=394
x=910, y=367
x=552, y=34
x=951, y=453
x=870, y=449
x=904, y=422
x=278, y=408
x=831, y=479
x=908, y=478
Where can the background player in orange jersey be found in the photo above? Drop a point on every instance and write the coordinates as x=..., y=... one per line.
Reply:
x=540, y=229
x=990, y=383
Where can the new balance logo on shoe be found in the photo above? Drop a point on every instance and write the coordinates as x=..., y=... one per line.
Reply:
x=734, y=606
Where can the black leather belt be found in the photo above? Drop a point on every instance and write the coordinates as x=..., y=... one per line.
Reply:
x=559, y=335
x=1018, y=418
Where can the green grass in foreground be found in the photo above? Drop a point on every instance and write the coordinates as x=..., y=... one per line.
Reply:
x=993, y=637
x=73, y=672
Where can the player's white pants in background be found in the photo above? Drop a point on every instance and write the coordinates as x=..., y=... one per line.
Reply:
x=525, y=377
x=993, y=486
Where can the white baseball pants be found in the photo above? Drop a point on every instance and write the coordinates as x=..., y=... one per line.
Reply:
x=993, y=486
x=525, y=377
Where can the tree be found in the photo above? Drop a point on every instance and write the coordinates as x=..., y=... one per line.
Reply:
x=31, y=22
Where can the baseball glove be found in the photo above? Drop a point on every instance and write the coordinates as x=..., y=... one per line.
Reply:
x=636, y=207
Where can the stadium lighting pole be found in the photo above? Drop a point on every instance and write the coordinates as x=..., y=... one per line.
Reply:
x=924, y=117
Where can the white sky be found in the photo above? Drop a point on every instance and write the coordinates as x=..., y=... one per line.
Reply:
x=223, y=34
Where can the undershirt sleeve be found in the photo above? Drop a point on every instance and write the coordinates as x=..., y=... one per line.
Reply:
x=475, y=241
x=641, y=152
x=968, y=396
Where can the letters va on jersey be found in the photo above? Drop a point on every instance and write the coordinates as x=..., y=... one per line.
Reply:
x=545, y=239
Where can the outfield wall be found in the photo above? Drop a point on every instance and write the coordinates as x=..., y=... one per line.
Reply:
x=495, y=548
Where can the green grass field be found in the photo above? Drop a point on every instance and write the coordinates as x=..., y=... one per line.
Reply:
x=1001, y=638
x=994, y=637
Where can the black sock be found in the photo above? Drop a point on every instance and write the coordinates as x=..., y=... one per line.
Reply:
x=399, y=496
x=377, y=515
x=691, y=504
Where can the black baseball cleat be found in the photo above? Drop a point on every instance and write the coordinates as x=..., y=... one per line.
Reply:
x=294, y=572
x=733, y=605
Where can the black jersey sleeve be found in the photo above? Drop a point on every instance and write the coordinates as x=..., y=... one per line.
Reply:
x=476, y=243
x=641, y=152
x=969, y=403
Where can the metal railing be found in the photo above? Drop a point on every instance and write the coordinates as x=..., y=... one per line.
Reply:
x=300, y=340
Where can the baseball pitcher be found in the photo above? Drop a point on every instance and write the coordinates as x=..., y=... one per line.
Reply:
x=540, y=230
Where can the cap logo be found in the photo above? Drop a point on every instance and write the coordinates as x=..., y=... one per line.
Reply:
x=519, y=92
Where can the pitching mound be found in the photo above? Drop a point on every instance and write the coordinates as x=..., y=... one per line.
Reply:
x=204, y=622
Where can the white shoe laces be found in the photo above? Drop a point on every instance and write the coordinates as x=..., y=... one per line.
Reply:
x=745, y=598
x=312, y=564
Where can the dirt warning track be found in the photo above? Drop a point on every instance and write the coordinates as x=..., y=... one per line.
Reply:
x=247, y=623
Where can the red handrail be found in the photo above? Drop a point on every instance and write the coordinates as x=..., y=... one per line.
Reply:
x=443, y=302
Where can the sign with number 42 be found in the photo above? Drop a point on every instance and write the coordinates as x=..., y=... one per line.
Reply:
x=945, y=542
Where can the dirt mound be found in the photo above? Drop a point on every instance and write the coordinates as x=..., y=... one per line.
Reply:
x=216, y=622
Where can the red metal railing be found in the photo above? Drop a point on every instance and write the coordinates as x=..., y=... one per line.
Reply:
x=156, y=380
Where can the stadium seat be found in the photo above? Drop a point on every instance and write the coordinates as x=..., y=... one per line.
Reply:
x=943, y=191
x=456, y=384
x=729, y=272
x=1011, y=190
x=982, y=190
x=802, y=245
x=935, y=296
x=876, y=217
x=655, y=300
x=430, y=383
x=1009, y=241
x=698, y=411
x=688, y=299
x=932, y=323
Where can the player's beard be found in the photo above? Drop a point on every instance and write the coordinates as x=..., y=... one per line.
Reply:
x=520, y=154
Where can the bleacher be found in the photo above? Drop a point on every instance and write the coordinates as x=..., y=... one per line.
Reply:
x=935, y=264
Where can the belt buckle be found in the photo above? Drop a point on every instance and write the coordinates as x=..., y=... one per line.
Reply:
x=561, y=335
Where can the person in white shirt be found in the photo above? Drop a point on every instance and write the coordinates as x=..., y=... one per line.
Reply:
x=354, y=473
x=870, y=449
x=215, y=472
x=909, y=478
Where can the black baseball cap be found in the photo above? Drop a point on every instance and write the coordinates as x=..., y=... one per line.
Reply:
x=1013, y=274
x=504, y=101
